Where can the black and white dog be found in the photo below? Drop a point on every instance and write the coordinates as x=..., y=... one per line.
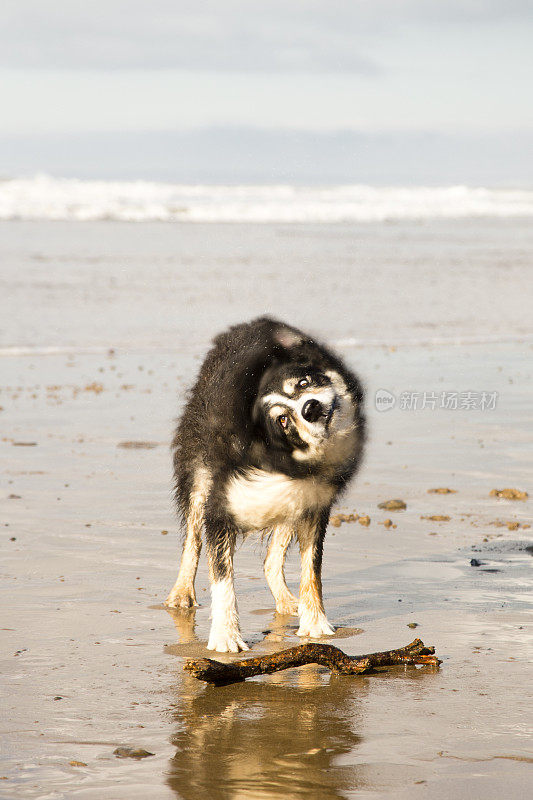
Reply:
x=273, y=430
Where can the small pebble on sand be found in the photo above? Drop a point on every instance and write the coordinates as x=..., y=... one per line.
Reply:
x=393, y=505
x=131, y=752
x=509, y=494
x=337, y=519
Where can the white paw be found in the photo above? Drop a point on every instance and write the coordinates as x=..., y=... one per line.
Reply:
x=287, y=605
x=181, y=598
x=225, y=641
x=315, y=627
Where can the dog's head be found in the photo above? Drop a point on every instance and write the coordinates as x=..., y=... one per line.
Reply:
x=308, y=412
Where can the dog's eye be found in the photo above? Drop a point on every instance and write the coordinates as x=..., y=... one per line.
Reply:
x=283, y=420
x=303, y=383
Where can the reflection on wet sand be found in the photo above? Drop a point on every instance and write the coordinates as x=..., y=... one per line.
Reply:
x=266, y=739
x=190, y=646
x=185, y=623
x=294, y=734
x=282, y=735
x=282, y=630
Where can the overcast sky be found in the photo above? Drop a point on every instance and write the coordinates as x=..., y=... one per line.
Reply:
x=442, y=65
x=82, y=68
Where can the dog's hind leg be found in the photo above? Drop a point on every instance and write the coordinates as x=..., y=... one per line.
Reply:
x=225, y=635
x=286, y=602
x=313, y=620
x=182, y=594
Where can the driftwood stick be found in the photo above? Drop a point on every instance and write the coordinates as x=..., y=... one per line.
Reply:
x=206, y=669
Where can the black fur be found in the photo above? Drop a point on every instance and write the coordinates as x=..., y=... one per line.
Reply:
x=218, y=425
x=225, y=430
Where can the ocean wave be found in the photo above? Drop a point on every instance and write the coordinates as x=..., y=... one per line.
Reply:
x=361, y=342
x=46, y=198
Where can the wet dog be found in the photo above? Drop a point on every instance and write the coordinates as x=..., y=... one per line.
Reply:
x=271, y=433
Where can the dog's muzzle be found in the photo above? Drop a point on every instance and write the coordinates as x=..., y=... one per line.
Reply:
x=313, y=409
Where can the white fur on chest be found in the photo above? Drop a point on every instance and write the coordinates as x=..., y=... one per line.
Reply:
x=261, y=499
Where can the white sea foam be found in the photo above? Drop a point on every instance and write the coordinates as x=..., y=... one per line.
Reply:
x=46, y=198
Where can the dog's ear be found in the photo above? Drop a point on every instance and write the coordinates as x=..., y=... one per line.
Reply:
x=267, y=428
x=268, y=375
x=287, y=337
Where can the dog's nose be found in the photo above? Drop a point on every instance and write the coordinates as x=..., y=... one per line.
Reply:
x=312, y=410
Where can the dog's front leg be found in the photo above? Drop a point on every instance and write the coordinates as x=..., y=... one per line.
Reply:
x=225, y=634
x=313, y=620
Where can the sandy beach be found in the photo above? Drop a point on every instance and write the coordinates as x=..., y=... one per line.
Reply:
x=103, y=326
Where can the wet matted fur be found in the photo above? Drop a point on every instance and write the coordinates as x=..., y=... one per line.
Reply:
x=271, y=433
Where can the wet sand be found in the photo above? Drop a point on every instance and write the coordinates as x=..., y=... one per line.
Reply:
x=92, y=661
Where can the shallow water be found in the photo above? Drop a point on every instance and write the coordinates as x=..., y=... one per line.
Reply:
x=93, y=662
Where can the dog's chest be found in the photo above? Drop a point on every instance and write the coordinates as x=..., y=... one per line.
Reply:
x=259, y=499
